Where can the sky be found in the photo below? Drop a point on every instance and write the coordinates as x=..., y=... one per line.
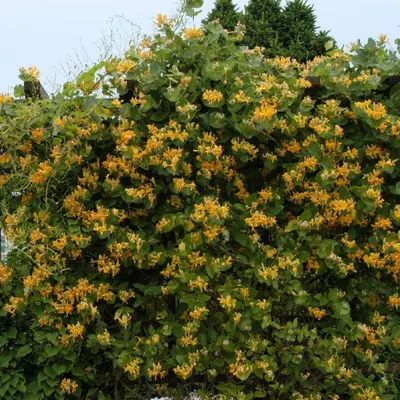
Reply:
x=60, y=36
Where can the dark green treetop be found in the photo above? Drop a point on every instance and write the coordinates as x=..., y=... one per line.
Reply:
x=299, y=31
x=263, y=20
x=226, y=12
x=290, y=30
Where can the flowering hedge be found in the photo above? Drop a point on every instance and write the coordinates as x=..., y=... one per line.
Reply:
x=221, y=232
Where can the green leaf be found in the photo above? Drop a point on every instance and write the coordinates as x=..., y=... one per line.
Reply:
x=194, y=3
x=315, y=150
x=101, y=396
x=266, y=321
x=19, y=91
x=341, y=309
x=395, y=189
x=89, y=104
x=326, y=248
x=244, y=375
x=191, y=5
x=23, y=351
x=52, y=337
x=12, y=332
x=4, y=360
x=51, y=351
x=155, y=69
x=3, y=340
x=59, y=368
x=329, y=45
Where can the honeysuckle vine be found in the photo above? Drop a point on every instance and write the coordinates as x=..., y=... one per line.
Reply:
x=221, y=232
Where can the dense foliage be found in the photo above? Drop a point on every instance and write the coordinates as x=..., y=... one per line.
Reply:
x=226, y=12
x=222, y=231
x=284, y=31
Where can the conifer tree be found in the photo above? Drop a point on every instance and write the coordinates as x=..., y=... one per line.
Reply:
x=288, y=31
x=299, y=31
x=227, y=13
x=263, y=21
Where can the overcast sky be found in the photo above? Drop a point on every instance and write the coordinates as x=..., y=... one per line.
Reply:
x=55, y=35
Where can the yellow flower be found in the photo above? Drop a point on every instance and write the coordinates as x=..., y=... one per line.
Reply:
x=116, y=103
x=188, y=340
x=236, y=318
x=212, y=96
x=124, y=320
x=160, y=20
x=265, y=195
x=68, y=386
x=156, y=371
x=367, y=394
x=193, y=33
x=240, y=97
x=4, y=178
x=153, y=339
x=344, y=373
x=76, y=331
x=317, y=312
x=375, y=111
x=227, y=302
x=309, y=162
x=133, y=367
x=126, y=66
x=368, y=333
x=199, y=283
x=146, y=55
x=268, y=272
x=59, y=122
x=320, y=125
x=184, y=371
x=383, y=223
x=161, y=224
x=186, y=109
x=179, y=184
x=5, y=98
x=104, y=338
x=241, y=365
x=394, y=301
x=263, y=304
x=383, y=38
x=5, y=158
x=259, y=219
x=11, y=308
x=304, y=83
x=377, y=318
x=198, y=313
x=37, y=134
x=139, y=100
x=5, y=273
x=245, y=146
x=142, y=192
x=32, y=72
x=265, y=112
x=125, y=295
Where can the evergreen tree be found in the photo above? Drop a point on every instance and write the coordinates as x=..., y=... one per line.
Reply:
x=227, y=13
x=289, y=31
x=299, y=32
x=263, y=21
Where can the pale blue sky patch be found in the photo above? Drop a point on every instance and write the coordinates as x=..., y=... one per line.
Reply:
x=56, y=35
